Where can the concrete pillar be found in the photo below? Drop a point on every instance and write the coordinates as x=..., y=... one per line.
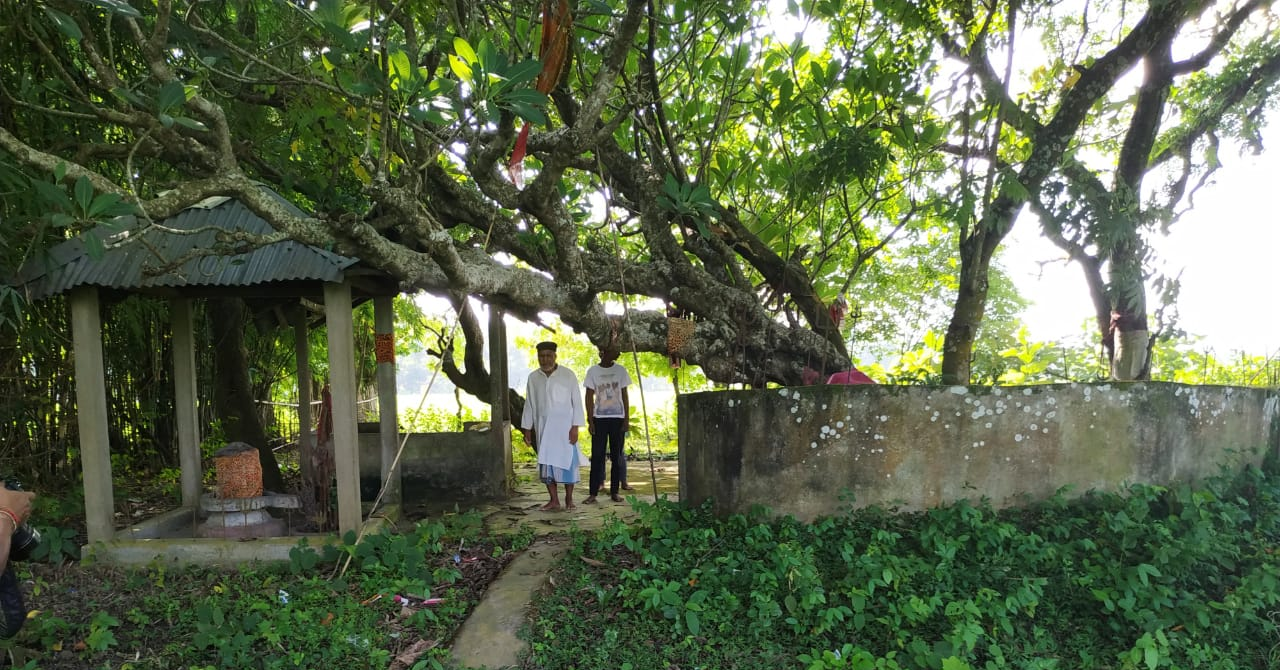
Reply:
x=342, y=383
x=185, y=386
x=91, y=414
x=302, y=361
x=500, y=412
x=388, y=424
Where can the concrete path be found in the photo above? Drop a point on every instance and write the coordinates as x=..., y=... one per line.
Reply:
x=488, y=638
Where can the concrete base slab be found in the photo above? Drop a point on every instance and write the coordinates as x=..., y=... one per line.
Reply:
x=488, y=638
x=169, y=538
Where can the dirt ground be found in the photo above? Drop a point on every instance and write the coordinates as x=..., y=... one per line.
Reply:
x=506, y=516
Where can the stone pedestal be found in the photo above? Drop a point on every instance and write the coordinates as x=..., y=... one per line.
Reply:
x=244, y=517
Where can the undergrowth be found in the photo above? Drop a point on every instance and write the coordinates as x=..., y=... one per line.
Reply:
x=336, y=607
x=1155, y=578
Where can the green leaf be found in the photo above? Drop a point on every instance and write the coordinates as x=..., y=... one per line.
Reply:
x=692, y=622
x=329, y=12
x=401, y=68
x=125, y=94
x=461, y=68
x=465, y=52
x=93, y=245
x=66, y=24
x=1014, y=188
x=189, y=123
x=525, y=95
x=1151, y=657
x=428, y=115
x=84, y=194
x=109, y=204
x=171, y=95
x=524, y=72
x=490, y=60
x=528, y=112
x=115, y=7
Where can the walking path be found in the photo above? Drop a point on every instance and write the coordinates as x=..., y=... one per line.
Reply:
x=488, y=639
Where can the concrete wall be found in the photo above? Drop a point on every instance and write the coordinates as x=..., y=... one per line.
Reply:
x=800, y=450
x=460, y=466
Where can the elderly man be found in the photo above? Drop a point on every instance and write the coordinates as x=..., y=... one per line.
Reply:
x=552, y=414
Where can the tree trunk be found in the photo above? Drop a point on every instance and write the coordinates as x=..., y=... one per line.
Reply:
x=232, y=390
x=1128, y=334
x=971, y=302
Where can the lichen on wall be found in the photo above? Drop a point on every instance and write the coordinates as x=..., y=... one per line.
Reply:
x=807, y=450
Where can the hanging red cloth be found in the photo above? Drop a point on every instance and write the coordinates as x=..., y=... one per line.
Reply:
x=553, y=50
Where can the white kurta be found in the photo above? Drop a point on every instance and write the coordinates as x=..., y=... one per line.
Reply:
x=553, y=405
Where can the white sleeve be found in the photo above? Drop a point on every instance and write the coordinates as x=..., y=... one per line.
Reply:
x=526, y=419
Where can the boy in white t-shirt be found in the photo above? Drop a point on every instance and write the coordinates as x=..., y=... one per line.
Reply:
x=608, y=419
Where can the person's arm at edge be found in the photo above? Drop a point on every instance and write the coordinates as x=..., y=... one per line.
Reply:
x=626, y=410
x=576, y=409
x=15, y=507
x=526, y=417
x=6, y=537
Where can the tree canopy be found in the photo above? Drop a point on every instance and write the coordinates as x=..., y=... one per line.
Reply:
x=683, y=156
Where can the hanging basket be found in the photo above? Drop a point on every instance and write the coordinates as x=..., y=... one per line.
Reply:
x=679, y=332
x=238, y=470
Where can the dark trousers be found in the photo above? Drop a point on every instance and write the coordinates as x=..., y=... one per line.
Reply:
x=607, y=439
x=11, y=605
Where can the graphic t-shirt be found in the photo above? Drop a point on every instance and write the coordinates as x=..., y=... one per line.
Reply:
x=608, y=384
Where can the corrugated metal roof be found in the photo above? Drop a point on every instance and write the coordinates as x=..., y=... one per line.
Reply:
x=134, y=257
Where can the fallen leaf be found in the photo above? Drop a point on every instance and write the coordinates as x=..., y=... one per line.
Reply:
x=328, y=619
x=593, y=562
x=410, y=655
x=80, y=646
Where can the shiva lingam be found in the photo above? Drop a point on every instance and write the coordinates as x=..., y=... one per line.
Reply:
x=238, y=508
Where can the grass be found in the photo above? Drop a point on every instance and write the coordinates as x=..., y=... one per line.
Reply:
x=1157, y=577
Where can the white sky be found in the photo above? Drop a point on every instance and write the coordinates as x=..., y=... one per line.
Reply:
x=1228, y=248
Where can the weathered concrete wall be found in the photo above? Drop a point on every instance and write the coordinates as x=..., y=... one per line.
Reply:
x=799, y=450
x=461, y=466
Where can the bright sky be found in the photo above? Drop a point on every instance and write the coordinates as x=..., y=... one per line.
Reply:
x=1227, y=247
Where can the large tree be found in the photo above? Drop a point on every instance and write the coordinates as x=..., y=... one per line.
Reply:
x=681, y=153
x=1123, y=90
x=545, y=155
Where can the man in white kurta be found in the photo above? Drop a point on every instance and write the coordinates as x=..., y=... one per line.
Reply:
x=552, y=413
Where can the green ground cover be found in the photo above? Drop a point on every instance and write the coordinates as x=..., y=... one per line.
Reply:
x=334, y=609
x=1159, y=577
x=1155, y=578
